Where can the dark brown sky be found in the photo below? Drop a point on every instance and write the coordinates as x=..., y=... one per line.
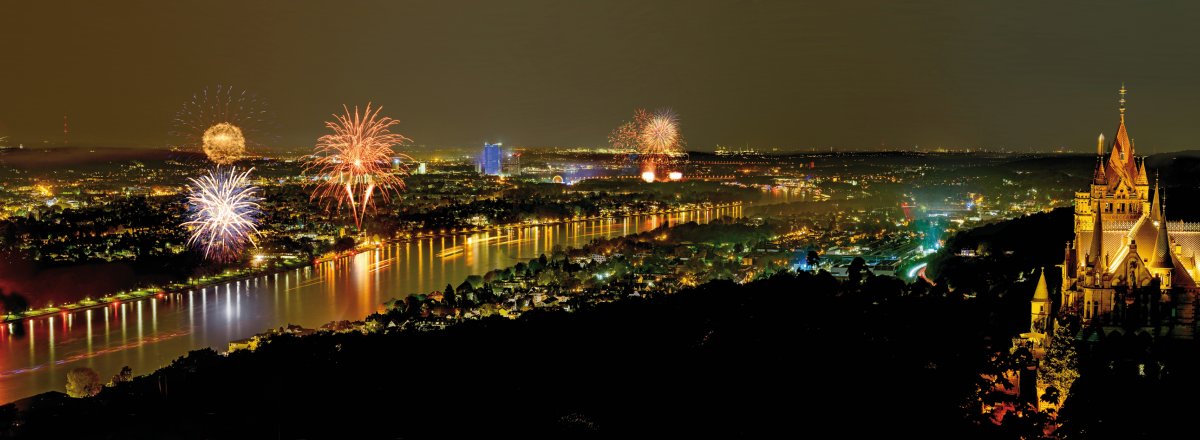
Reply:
x=1021, y=74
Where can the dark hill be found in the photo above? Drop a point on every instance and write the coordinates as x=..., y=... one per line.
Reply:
x=774, y=358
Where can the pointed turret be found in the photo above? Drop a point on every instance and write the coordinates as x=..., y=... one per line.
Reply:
x=1039, y=308
x=1099, y=177
x=1162, y=248
x=1041, y=293
x=1121, y=160
x=1156, y=205
x=1141, y=175
x=1069, y=263
x=1097, y=237
x=1070, y=270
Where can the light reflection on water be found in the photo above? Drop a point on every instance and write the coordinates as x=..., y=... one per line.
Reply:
x=147, y=334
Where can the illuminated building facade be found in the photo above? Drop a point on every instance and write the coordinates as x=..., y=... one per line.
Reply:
x=490, y=159
x=1128, y=266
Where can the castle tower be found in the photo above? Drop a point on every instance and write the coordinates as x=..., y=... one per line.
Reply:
x=1142, y=184
x=1160, y=265
x=1039, y=313
x=1095, y=260
x=1156, y=205
x=1069, y=272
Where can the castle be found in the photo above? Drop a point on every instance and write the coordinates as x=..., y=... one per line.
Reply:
x=1128, y=268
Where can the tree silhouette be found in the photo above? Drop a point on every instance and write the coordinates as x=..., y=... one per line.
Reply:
x=12, y=303
x=813, y=259
x=343, y=244
x=448, y=295
x=858, y=268
x=125, y=375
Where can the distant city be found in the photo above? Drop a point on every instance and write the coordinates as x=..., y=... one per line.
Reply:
x=596, y=220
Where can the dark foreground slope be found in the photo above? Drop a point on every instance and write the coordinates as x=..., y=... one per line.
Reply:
x=785, y=356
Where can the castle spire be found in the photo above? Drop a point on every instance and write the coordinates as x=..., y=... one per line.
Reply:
x=1156, y=213
x=1162, y=249
x=1122, y=164
x=1040, y=307
x=1041, y=293
x=1097, y=238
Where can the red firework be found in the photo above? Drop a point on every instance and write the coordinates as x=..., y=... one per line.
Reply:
x=354, y=161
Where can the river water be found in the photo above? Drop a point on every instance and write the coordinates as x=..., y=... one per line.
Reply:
x=149, y=333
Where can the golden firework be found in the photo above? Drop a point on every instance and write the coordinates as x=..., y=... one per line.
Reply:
x=224, y=143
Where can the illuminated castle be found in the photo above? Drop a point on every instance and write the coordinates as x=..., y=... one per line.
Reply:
x=1128, y=267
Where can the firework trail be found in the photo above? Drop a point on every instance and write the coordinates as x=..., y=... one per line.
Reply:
x=222, y=213
x=626, y=137
x=353, y=163
x=220, y=121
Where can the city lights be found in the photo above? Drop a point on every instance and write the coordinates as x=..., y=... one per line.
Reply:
x=598, y=219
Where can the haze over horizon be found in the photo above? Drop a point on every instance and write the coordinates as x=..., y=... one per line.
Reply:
x=793, y=75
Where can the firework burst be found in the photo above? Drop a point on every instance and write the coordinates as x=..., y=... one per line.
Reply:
x=650, y=140
x=352, y=164
x=660, y=135
x=222, y=213
x=220, y=121
x=224, y=143
x=626, y=137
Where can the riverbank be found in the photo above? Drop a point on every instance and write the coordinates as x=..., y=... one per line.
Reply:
x=283, y=265
x=725, y=336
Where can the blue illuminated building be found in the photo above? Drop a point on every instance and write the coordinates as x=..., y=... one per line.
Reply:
x=489, y=160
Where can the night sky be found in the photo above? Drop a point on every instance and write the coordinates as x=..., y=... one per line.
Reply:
x=1026, y=75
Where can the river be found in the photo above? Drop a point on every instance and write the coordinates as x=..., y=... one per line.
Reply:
x=149, y=333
